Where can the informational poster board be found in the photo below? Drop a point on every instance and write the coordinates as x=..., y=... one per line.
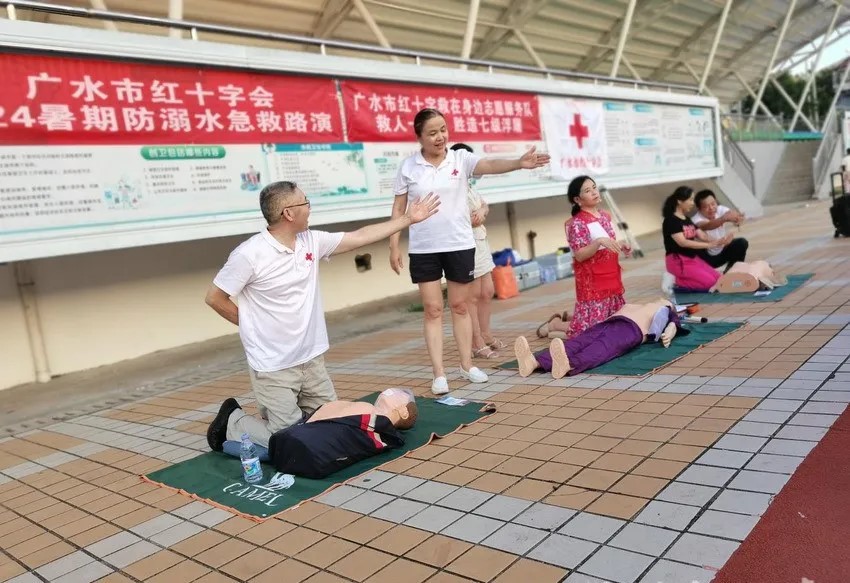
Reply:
x=102, y=153
x=647, y=138
x=616, y=139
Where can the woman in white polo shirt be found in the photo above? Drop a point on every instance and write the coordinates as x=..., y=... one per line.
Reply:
x=444, y=244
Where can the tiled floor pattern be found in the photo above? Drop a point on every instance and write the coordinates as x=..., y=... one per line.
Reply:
x=591, y=478
x=695, y=521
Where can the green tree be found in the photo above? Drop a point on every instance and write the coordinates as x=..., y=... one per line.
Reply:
x=817, y=102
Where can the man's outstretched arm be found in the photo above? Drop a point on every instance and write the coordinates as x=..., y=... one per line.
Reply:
x=416, y=212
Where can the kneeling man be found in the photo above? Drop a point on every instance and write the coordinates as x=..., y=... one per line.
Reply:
x=275, y=277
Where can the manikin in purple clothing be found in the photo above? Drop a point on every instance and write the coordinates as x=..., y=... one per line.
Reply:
x=627, y=328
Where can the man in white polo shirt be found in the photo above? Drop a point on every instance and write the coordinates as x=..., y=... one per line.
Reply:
x=274, y=275
x=712, y=218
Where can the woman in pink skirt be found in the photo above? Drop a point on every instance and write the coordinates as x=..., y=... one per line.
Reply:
x=683, y=241
x=596, y=264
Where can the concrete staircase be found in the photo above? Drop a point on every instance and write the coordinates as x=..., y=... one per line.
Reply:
x=792, y=180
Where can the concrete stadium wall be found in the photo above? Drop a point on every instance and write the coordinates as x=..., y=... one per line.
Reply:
x=16, y=362
x=767, y=156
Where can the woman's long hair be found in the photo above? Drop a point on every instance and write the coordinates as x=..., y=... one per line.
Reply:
x=681, y=194
x=574, y=191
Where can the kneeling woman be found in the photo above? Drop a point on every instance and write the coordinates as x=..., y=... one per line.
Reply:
x=626, y=329
x=683, y=242
x=596, y=264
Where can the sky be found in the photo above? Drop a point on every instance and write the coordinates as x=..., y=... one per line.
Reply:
x=831, y=55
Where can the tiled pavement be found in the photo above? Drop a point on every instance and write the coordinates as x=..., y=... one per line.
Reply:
x=586, y=479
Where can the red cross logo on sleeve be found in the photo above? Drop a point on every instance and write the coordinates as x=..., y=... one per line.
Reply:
x=579, y=131
x=309, y=257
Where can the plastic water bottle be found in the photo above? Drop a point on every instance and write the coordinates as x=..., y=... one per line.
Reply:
x=251, y=468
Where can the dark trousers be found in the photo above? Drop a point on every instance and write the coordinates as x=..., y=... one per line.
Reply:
x=731, y=254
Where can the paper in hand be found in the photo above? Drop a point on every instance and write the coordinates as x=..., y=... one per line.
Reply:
x=597, y=231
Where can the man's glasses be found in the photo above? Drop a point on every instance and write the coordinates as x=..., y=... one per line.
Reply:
x=305, y=203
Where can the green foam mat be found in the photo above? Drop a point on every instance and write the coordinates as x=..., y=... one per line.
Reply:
x=216, y=477
x=648, y=357
x=778, y=293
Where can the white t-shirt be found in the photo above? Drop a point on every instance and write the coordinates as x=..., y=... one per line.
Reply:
x=845, y=161
x=475, y=202
x=281, y=320
x=717, y=233
x=451, y=228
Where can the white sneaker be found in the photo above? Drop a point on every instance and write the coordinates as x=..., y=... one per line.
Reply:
x=440, y=386
x=474, y=375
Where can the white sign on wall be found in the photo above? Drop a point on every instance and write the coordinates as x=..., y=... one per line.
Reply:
x=575, y=136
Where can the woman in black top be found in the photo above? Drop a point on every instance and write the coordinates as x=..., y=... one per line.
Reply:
x=683, y=241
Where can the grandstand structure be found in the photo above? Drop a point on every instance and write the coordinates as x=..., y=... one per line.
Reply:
x=723, y=48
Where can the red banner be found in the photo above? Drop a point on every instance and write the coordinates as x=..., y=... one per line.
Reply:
x=383, y=112
x=53, y=100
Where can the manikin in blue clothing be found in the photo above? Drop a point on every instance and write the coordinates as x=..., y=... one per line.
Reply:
x=336, y=435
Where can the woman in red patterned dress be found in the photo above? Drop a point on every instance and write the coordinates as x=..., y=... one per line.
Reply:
x=598, y=275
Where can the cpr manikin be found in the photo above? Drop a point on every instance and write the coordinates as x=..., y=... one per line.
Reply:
x=341, y=433
x=748, y=277
x=336, y=435
x=627, y=328
x=397, y=405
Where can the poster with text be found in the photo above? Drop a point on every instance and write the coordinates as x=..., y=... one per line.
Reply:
x=384, y=112
x=103, y=153
x=60, y=100
x=87, y=144
x=646, y=139
x=79, y=187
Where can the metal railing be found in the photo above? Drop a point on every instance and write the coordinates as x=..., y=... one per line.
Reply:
x=761, y=128
x=738, y=160
x=822, y=159
x=417, y=57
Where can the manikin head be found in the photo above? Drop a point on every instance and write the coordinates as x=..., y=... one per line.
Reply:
x=706, y=203
x=285, y=206
x=431, y=131
x=399, y=405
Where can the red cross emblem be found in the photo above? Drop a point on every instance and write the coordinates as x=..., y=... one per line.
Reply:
x=579, y=131
x=309, y=257
x=454, y=172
